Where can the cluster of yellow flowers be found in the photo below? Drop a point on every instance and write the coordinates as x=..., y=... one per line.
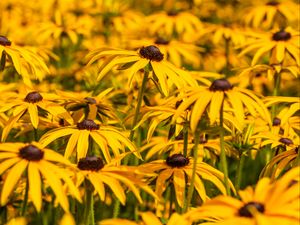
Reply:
x=174, y=112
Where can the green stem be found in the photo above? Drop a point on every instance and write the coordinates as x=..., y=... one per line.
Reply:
x=139, y=103
x=223, y=158
x=2, y=61
x=35, y=134
x=227, y=55
x=239, y=173
x=116, y=208
x=185, y=138
x=276, y=91
x=191, y=187
x=25, y=201
x=172, y=193
x=88, y=203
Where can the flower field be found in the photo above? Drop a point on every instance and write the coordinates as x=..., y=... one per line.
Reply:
x=149, y=112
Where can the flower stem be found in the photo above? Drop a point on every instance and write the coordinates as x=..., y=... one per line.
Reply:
x=195, y=157
x=139, y=103
x=25, y=201
x=116, y=208
x=223, y=158
x=185, y=138
x=238, y=177
x=227, y=55
x=89, y=206
x=276, y=90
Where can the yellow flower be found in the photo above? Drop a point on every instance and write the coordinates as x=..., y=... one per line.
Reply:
x=38, y=162
x=93, y=169
x=282, y=44
x=105, y=137
x=148, y=218
x=175, y=168
x=235, y=98
x=17, y=221
x=163, y=72
x=268, y=203
x=25, y=61
x=268, y=14
x=31, y=104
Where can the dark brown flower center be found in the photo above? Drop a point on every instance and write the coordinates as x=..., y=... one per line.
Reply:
x=31, y=153
x=88, y=124
x=161, y=41
x=152, y=53
x=93, y=163
x=173, y=12
x=90, y=100
x=272, y=3
x=286, y=141
x=281, y=36
x=246, y=211
x=33, y=97
x=4, y=41
x=220, y=85
x=177, y=160
x=203, y=139
x=276, y=121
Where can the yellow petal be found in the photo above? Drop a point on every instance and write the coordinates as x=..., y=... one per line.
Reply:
x=71, y=144
x=33, y=113
x=35, y=192
x=150, y=219
x=280, y=50
x=179, y=184
x=83, y=144
x=215, y=105
x=98, y=185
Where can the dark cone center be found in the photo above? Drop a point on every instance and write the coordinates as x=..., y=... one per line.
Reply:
x=276, y=121
x=177, y=160
x=33, y=97
x=4, y=41
x=245, y=211
x=161, y=41
x=173, y=13
x=220, y=85
x=90, y=100
x=281, y=36
x=152, y=53
x=31, y=153
x=92, y=163
x=273, y=3
x=286, y=141
x=88, y=125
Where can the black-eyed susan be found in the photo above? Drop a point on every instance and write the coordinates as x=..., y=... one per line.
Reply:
x=283, y=45
x=163, y=72
x=31, y=103
x=148, y=218
x=38, y=162
x=212, y=98
x=178, y=170
x=268, y=203
x=25, y=61
x=268, y=14
x=92, y=168
x=108, y=138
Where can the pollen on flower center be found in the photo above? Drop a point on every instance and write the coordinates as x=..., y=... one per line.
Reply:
x=220, y=85
x=281, y=36
x=31, y=153
x=276, y=121
x=33, y=97
x=286, y=141
x=161, y=41
x=92, y=163
x=90, y=100
x=246, y=211
x=272, y=3
x=177, y=160
x=88, y=124
x=4, y=41
x=152, y=53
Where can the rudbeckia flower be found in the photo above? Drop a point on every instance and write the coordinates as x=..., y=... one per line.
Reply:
x=105, y=137
x=38, y=162
x=176, y=168
x=25, y=61
x=32, y=103
x=148, y=218
x=270, y=13
x=236, y=99
x=268, y=203
x=92, y=168
x=163, y=72
x=280, y=44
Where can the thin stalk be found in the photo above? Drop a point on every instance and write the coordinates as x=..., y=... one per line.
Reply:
x=191, y=187
x=25, y=201
x=239, y=172
x=276, y=91
x=35, y=134
x=227, y=55
x=172, y=193
x=139, y=104
x=185, y=138
x=88, y=203
x=116, y=209
x=223, y=158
